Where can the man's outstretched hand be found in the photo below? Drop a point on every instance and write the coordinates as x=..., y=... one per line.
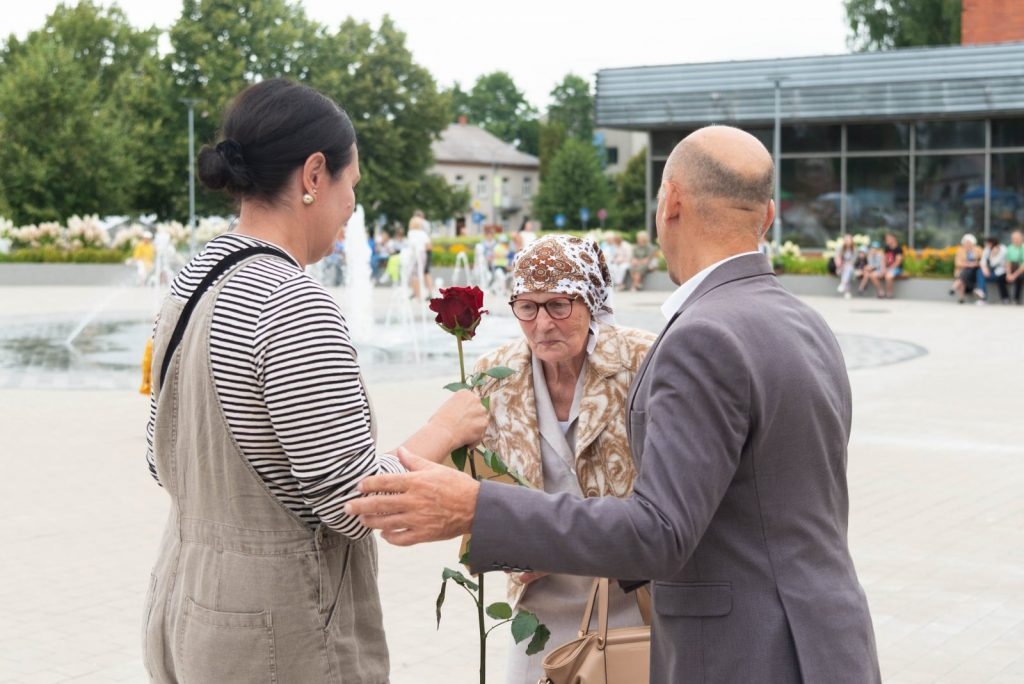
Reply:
x=429, y=503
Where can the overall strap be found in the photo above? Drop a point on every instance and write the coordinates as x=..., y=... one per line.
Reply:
x=215, y=272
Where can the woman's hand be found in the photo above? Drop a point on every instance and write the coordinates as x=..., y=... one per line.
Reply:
x=463, y=415
x=531, y=577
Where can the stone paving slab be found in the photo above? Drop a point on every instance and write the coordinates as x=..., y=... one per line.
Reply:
x=936, y=474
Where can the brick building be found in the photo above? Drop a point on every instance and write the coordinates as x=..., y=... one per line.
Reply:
x=991, y=21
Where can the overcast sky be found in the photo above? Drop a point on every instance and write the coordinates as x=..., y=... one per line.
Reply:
x=539, y=41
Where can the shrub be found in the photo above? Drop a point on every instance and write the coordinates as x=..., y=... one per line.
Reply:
x=50, y=254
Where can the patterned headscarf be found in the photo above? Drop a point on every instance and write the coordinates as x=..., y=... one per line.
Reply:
x=566, y=265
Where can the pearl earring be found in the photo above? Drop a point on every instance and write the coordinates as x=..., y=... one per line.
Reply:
x=308, y=199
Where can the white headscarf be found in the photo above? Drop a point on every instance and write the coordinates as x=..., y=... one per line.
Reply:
x=566, y=265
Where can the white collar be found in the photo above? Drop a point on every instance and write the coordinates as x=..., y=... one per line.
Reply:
x=676, y=300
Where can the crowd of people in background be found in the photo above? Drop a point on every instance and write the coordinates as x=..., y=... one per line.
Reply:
x=975, y=267
x=978, y=266
x=879, y=265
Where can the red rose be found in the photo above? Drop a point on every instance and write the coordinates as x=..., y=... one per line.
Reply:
x=459, y=310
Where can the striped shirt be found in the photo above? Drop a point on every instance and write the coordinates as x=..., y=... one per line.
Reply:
x=286, y=374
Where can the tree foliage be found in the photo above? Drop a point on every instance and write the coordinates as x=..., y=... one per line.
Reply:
x=498, y=106
x=114, y=125
x=631, y=193
x=574, y=181
x=887, y=24
x=397, y=111
x=572, y=106
x=66, y=144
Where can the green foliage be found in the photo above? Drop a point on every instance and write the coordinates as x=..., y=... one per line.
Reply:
x=631, y=193
x=499, y=611
x=55, y=255
x=498, y=106
x=63, y=150
x=802, y=265
x=397, y=111
x=65, y=137
x=221, y=46
x=887, y=24
x=929, y=263
x=574, y=181
x=573, y=107
x=92, y=118
x=552, y=137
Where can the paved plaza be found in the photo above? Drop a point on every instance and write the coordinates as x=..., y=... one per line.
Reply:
x=936, y=474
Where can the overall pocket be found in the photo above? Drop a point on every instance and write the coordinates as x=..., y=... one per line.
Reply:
x=338, y=585
x=215, y=646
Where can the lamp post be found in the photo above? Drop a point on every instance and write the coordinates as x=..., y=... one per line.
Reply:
x=191, y=102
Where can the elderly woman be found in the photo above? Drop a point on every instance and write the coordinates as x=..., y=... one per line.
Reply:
x=560, y=420
x=966, y=263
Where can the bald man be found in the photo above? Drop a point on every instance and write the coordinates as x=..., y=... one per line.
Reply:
x=739, y=420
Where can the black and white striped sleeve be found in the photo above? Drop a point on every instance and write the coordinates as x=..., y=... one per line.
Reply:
x=307, y=367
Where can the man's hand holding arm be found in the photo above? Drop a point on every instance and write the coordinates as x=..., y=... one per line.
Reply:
x=429, y=503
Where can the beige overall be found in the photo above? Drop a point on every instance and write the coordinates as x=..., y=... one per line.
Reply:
x=243, y=590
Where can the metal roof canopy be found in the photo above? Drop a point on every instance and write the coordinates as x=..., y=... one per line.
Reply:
x=941, y=82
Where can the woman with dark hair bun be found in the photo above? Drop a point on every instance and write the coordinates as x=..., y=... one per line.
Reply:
x=260, y=427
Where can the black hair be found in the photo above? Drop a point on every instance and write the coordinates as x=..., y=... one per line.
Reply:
x=269, y=130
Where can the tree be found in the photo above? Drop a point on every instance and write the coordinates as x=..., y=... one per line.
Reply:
x=574, y=181
x=63, y=151
x=631, y=193
x=100, y=39
x=460, y=100
x=886, y=24
x=397, y=111
x=157, y=124
x=221, y=46
x=552, y=138
x=68, y=147
x=573, y=106
x=499, y=107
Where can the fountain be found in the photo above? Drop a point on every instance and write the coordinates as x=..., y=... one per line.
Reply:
x=102, y=347
x=358, y=285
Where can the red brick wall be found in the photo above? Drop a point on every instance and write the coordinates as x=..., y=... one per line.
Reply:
x=992, y=21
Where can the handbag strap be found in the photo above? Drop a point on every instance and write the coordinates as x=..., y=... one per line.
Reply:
x=599, y=594
x=215, y=272
x=643, y=602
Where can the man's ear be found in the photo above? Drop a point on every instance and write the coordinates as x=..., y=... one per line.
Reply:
x=769, y=219
x=670, y=204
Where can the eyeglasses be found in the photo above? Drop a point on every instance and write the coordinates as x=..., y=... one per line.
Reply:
x=559, y=308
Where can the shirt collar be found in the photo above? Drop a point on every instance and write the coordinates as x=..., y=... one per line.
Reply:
x=676, y=300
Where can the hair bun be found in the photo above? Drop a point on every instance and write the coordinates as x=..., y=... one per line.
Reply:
x=231, y=151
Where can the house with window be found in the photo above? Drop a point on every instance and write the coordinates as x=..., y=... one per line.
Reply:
x=501, y=179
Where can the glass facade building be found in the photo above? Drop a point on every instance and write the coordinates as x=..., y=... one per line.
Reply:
x=925, y=143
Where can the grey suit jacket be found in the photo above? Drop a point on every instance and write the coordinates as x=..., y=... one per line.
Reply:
x=739, y=420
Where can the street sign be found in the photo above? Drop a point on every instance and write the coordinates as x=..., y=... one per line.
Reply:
x=382, y=220
x=560, y=220
x=478, y=217
x=602, y=214
x=584, y=216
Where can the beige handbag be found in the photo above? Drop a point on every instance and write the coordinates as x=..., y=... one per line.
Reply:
x=606, y=656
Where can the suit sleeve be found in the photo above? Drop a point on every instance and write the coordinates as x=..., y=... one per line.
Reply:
x=696, y=423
